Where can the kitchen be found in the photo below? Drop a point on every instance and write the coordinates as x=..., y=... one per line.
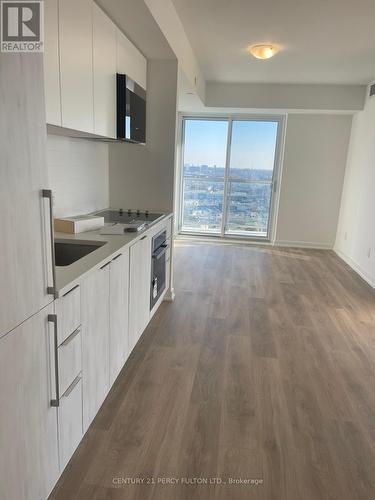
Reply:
x=74, y=304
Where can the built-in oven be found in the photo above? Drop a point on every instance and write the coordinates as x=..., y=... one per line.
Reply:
x=158, y=266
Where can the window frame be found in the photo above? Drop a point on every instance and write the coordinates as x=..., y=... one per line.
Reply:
x=280, y=119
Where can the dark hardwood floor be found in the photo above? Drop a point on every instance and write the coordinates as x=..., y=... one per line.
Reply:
x=262, y=369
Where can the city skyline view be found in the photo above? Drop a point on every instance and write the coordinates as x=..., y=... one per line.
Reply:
x=252, y=144
x=246, y=209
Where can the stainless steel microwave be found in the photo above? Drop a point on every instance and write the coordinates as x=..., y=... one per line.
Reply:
x=131, y=110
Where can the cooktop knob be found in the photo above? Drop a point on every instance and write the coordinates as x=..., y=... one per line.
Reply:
x=129, y=211
x=138, y=213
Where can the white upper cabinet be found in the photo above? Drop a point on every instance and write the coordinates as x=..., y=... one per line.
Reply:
x=104, y=53
x=83, y=51
x=130, y=61
x=51, y=62
x=76, y=69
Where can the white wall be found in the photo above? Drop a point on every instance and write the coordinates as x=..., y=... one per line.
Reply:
x=170, y=24
x=285, y=96
x=313, y=174
x=355, y=240
x=142, y=176
x=78, y=175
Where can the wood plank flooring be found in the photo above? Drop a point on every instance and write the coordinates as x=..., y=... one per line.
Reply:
x=262, y=369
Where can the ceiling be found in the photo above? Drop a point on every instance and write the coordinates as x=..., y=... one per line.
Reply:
x=322, y=41
x=140, y=27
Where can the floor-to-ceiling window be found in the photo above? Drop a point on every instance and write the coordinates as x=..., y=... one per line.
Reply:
x=205, y=157
x=229, y=173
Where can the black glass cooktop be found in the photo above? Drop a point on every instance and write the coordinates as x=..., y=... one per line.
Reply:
x=129, y=216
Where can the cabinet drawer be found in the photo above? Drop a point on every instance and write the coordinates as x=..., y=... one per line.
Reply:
x=68, y=310
x=70, y=421
x=70, y=360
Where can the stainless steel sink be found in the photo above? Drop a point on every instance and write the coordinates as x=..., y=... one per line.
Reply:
x=67, y=252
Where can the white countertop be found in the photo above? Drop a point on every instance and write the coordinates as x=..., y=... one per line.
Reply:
x=69, y=276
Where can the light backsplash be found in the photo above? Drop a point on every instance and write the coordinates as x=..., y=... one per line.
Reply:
x=78, y=175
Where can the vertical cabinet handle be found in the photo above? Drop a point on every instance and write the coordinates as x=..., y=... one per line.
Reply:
x=52, y=318
x=51, y=290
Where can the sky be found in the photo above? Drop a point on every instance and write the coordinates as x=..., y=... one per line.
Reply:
x=253, y=143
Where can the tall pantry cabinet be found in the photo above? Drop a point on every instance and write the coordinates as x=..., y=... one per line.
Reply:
x=28, y=421
x=26, y=253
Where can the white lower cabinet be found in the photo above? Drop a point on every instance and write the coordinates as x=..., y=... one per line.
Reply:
x=68, y=311
x=70, y=421
x=87, y=334
x=95, y=342
x=139, y=288
x=70, y=360
x=119, y=314
x=69, y=355
x=28, y=423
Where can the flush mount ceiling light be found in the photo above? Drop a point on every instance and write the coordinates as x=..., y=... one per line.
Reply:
x=262, y=51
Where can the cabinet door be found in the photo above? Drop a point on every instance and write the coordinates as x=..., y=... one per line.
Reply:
x=130, y=61
x=95, y=342
x=104, y=60
x=119, y=314
x=51, y=62
x=139, y=289
x=28, y=438
x=25, y=256
x=75, y=31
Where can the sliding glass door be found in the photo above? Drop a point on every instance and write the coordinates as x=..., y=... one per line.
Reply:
x=205, y=153
x=250, y=177
x=229, y=171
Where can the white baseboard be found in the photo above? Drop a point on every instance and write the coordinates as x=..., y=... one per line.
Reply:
x=170, y=295
x=243, y=241
x=356, y=267
x=302, y=244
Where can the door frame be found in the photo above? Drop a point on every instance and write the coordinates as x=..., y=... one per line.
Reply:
x=281, y=120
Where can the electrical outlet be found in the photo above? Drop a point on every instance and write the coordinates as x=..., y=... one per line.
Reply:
x=369, y=253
